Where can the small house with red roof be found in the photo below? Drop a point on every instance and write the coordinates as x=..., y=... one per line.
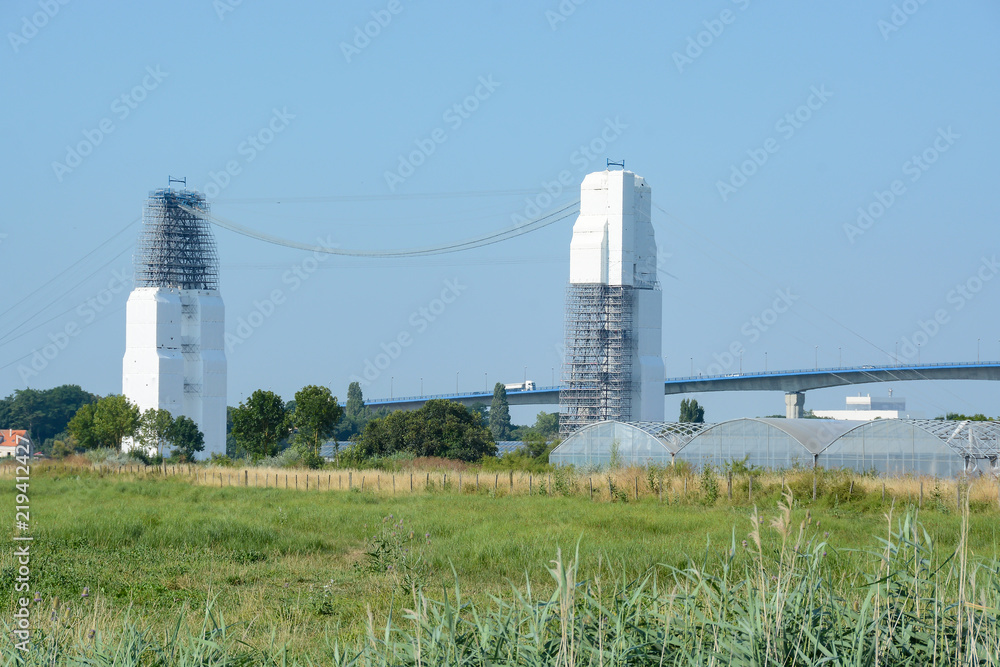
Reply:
x=10, y=439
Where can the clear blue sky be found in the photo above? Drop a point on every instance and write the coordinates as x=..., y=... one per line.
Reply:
x=182, y=87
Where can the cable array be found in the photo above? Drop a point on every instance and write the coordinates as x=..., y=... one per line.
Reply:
x=469, y=244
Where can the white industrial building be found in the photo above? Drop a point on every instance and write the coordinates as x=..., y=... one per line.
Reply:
x=175, y=320
x=613, y=366
x=868, y=407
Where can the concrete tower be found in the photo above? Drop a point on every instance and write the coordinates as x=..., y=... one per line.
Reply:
x=175, y=318
x=613, y=368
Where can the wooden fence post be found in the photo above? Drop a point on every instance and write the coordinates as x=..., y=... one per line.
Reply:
x=350, y=481
x=750, y=488
x=591, y=479
x=920, y=503
x=814, y=485
x=637, y=488
x=729, y=485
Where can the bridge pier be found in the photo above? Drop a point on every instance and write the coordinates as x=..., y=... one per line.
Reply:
x=794, y=402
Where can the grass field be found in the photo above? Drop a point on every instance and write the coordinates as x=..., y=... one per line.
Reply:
x=297, y=569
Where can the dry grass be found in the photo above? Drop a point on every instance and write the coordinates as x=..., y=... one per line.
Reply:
x=621, y=485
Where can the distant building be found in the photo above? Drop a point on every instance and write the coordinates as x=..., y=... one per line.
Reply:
x=329, y=452
x=508, y=446
x=9, y=440
x=868, y=407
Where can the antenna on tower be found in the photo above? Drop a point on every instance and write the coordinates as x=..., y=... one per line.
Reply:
x=171, y=179
x=616, y=164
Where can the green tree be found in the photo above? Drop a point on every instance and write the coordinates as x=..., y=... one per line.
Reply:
x=260, y=424
x=115, y=418
x=535, y=444
x=154, y=429
x=691, y=412
x=499, y=414
x=231, y=446
x=547, y=424
x=43, y=413
x=355, y=406
x=356, y=414
x=546, y=427
x=186, y=439
x=958, y=417
x=483, y=410
x=439, y=428
x=316, y=415
x=105, y=423
x=81, y=427
x=62, y=448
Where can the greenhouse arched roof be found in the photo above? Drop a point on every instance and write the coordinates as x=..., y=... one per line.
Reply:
x=935, y=447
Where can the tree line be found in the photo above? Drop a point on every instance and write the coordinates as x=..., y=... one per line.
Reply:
x=67, y=419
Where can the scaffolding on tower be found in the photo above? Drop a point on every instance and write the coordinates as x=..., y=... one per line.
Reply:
x=597, y=373
x=176, y=247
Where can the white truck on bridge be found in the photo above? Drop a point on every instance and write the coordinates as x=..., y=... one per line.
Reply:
x=527, y=385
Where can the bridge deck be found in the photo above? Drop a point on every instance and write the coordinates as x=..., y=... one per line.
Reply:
x=785, y=381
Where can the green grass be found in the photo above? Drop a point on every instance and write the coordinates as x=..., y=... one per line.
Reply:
x=287, y=568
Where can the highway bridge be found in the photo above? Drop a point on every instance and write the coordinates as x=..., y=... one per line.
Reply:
x=793, y=384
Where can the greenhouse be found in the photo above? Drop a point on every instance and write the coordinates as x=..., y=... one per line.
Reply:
x=888, y=447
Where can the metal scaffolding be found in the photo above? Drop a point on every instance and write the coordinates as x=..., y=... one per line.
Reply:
x=597, y=373
x=176, y=247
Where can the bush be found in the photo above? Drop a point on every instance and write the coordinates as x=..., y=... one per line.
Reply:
x=655, y=474
x=223, y=461
x=112, y=457
x=310, y=459
x=709, y=485
x=287, y=458
x=519, y=460
x=61, y=449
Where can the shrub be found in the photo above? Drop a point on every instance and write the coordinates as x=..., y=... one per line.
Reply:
x=223, y=461
x=709, y=485
x=105, y=456
x=310, y=459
